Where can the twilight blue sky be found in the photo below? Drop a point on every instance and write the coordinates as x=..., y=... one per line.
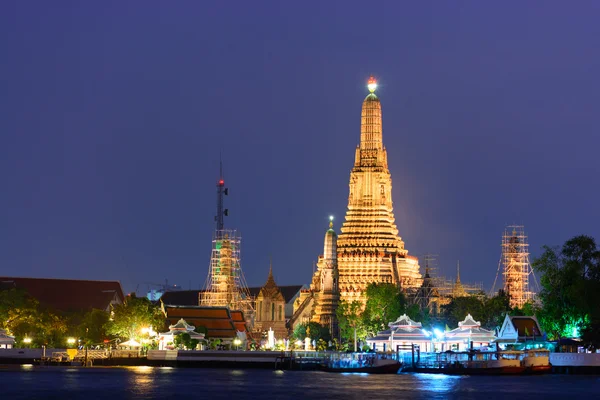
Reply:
x=113, y=114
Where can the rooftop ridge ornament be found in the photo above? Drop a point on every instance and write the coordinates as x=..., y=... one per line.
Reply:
x=372, y=84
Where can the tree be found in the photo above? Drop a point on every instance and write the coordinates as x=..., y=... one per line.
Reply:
x=91, y=328
x=349, y=317
x=183, y=340
x=22, y=316
x=495, y=309
x=570, y=279
x=135, y=313
x=459, y=307
x=313, y=331
x=201, y=329
x=385, y=303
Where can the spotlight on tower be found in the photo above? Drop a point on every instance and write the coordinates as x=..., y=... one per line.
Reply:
x=331, y=217
x=372, y=84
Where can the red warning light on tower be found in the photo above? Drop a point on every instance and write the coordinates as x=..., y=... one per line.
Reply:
x=221, y=182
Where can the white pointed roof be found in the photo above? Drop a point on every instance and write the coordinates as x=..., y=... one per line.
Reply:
x=472, y=330
x=469, y=322
x=181, y=325
x=405, y=322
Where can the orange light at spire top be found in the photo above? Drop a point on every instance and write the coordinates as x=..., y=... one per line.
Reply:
x=372, y=84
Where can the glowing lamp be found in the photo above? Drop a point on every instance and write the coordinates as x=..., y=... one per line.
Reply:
x=71, y=340
x=221, y=182
x=331, y=217
x=372, y=84
x=27, y=340
x=145, y=330
x=438, y=334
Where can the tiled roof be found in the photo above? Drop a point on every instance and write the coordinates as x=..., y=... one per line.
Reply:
x=288, y=292
x=218, y=321
x=68, y=294
x=405, y=322
x=526, y=326
x=191, y=297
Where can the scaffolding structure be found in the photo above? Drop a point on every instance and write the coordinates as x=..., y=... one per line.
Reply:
x=516, y=266
x=436, y=291
x=225, y=284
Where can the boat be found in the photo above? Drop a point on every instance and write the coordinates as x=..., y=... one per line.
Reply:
x=536, y=361
x=370, y=363
x=487, y=363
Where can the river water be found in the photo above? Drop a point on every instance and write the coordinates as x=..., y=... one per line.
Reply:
x=29, y=382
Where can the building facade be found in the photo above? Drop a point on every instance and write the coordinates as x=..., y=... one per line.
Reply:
x=270, y=309
x=369, y=248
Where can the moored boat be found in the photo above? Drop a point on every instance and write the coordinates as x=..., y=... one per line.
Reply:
x=536, y=361
x=487, y=363
x=370, y=363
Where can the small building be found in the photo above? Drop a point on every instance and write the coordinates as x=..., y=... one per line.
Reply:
x=521, y=332
x=403, y=333
x=469, y=333
x=219, y=322
x=166, y=340
x=270, y=309
x=192, y=297
x=6, y=341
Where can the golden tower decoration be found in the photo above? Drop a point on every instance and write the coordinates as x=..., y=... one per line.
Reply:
x=369, y=248
x=325, y=284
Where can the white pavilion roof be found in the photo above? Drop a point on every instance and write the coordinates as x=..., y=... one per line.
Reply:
x=6, y=338
x=403, y=329
x=404, y=322
x=470, y=329
x=182, y=326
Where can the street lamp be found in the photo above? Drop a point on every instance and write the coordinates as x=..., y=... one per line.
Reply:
x=237, y=342
x=71, y=341
x=27, y=340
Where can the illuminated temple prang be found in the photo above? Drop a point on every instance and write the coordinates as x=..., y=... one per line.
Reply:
x=369, y=248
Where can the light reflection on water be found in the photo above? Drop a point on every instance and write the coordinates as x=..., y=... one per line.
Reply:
x=437, y=382
x=142, y=381
x=161, y=383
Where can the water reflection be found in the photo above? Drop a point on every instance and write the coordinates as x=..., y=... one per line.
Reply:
x=34, y=382
x=142, y=381
x=437, y=382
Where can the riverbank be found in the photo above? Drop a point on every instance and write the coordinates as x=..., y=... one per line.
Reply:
x=562, y=363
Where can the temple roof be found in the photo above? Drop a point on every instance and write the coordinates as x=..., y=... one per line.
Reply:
x=372, y=97
x=181, y=325
x=404, y=322
x=270, y=289
x=220, y=322
x=469, y=322
x=270, y=280
x=6, y=338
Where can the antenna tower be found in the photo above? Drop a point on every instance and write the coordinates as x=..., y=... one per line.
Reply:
x=516, y=266
x=225, y=285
